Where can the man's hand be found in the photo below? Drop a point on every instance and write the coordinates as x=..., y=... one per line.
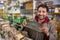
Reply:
x=45, y=29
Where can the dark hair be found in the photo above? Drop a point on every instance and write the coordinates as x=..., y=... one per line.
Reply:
x=44, y=6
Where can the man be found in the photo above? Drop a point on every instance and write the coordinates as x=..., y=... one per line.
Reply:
x=47, y=27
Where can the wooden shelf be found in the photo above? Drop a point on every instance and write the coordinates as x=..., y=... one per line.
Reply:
x=54, y=13
x=57, y=5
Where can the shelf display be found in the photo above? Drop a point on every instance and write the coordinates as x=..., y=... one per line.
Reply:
x=10, y=33
x=27, y=9
x=11, y=7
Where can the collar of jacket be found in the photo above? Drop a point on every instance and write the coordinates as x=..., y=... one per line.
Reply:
x=45, y=21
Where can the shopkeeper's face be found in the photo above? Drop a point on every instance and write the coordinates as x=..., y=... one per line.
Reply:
x=42, y=13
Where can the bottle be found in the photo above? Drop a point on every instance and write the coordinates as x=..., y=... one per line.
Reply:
x=56, y=10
